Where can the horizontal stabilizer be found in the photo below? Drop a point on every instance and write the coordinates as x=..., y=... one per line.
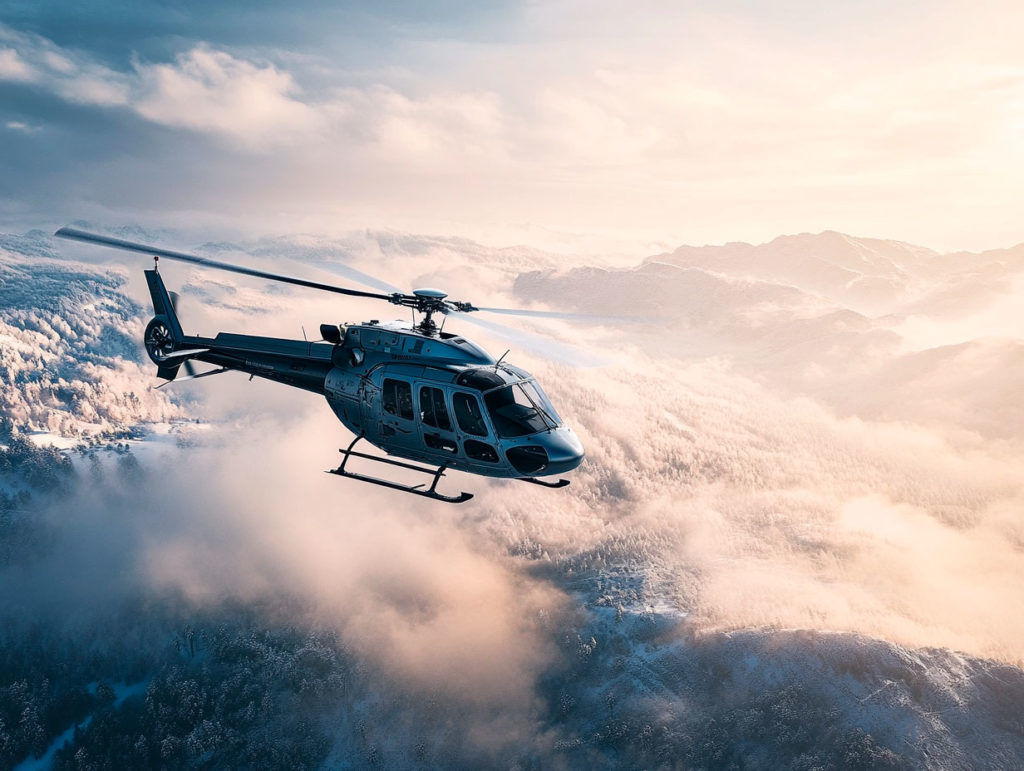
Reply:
x=185, y=352
x=196, y=377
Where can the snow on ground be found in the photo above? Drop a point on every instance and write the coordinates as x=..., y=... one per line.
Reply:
x=49, y=439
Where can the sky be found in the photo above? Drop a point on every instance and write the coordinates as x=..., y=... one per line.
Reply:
x=632, y=128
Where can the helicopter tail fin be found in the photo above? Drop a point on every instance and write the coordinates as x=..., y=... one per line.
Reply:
x=165, y=372
x=166, y=318
x=164, y=305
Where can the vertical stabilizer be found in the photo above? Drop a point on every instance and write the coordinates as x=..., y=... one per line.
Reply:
x=163, y=305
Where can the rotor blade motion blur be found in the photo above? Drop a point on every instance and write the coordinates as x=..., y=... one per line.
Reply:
x=350, y=273
x=538, y=345
x=130, y=246
x=549, y=314
x=424, y=301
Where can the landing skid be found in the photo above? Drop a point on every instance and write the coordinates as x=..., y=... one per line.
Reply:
x=430, y=492
x=542, y=483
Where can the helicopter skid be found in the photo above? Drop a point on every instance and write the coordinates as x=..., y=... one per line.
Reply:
x=542, y=483
x=430, y=492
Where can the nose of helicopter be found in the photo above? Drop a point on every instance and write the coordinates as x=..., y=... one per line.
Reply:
x=564, y=449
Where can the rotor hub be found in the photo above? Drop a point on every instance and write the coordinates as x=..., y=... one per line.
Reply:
x=428, y=302
x=429, y=294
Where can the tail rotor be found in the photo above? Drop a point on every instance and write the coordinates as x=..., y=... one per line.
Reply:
x=187, y=365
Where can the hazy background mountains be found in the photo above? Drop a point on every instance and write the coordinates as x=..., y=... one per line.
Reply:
x=796, y=541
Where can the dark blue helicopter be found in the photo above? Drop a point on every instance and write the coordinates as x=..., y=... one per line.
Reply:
x=411, y=389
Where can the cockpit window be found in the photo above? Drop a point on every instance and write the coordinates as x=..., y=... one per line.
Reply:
x=515, y=413
x=467, y=412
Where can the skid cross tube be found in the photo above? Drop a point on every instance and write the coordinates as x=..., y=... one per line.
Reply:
x=431, y=492
x=542, y=483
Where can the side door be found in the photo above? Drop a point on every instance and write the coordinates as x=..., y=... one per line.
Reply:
x=397, y=417
x=436, y=422
x=478, y=444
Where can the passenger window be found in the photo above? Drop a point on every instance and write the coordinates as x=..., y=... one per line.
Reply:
x=433, y=411
x=397, y=398
x=480, y=451
x=467, y=412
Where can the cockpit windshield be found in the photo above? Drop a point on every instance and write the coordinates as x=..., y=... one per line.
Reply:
x=540, y=399
x=520, y=409
x=516, y=404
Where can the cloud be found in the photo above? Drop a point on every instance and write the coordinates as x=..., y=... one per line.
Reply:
x=13, y=67
x=427, y=130
x=208, y=90
x=689, y=124
x=742, y=507
x=999, y=315
x=204, y=90
x=258, y=106
x=433, y=610
x=73, y=76
x=406, y=586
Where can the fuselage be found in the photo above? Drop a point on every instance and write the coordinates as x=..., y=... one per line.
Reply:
x=427, y=396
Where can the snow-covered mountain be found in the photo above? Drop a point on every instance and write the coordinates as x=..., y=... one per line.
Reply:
x=861, y=271
x=71, y=360
x=795, y=542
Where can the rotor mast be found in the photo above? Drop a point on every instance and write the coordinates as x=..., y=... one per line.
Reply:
x=427, y=302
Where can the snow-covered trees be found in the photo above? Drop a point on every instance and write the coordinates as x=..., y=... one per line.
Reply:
x=70, y=360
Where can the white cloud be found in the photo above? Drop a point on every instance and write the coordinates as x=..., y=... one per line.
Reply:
x=430, y=131
x=669, y=124
x=103, y=88
x=13, y=67
x=17, y=125
x=203, y=90
x=58, y=62
x=70, y=75
x=208, y=90
x=753, y=509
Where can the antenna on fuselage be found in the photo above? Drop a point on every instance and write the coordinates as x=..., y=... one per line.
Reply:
x=502, y=358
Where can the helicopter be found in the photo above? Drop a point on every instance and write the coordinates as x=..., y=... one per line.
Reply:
x=413, y=390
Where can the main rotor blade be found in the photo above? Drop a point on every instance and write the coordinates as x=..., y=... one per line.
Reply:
x=352, y=274
x=555, y=315
x=130, y=246
x=540, y=346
